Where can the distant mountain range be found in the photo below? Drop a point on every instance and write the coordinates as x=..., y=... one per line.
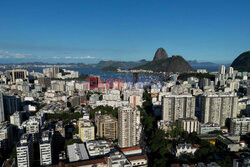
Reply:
x=195, y=63
x=112, y=65
x=120, y=64
x=161, y=62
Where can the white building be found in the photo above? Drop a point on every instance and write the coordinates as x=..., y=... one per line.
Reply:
x=240, y=126
x=33, y=126
x=216, y=108
x=178, y=106
x=208, y=127
x=129, y=127
x=167, y=126
x=93, y=98
x=222, y=69
x=117, y=159
x=77, y=152
x=45, y=146
x=129, y=92
x=98, y=147
x=111, y=97
x=184, y=149
x=135, y=100
x=16, y=118
x=112, y=103
x=189, y=124
x=25, y=151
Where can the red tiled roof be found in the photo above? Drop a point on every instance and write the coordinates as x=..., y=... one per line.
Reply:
x=138, y=157
x=196, y=146
x=130, y=149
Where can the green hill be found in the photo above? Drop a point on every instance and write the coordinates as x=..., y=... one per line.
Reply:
x=242, y=62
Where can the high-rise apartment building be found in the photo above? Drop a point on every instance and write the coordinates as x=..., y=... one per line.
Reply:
x=240, y=126
x=129, y=127
x=46, y=151
x=25, y=151
x=2, y=116
x=216, y=108
x=55, y=71
x=107, y=126
x=44, y=82
x=6, y=136
x=230, y=72
x=178, y=106
x=13, y=75
x=86, y=130
x=222, y=69
x=11, y=104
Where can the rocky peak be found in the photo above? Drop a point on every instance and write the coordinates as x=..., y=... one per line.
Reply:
x=160, y=54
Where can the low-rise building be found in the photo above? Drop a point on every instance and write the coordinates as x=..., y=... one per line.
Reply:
x=165, y=125
x=189, y=124
x=77, y=152
x=208, y=127
x=243, y=162
x=240, y=126
x=117, y=159
x=16, y=118
x=98, y=147
x=132, y=151
x=211, y=164
x=60, y=128
x=138, y=160
x=227, y=144
x=181, y=149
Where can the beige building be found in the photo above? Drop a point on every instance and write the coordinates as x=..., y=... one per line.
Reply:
x=107, y=126
x=129, y=127
x=86, y=130
x=17, y=74
x=178, y=106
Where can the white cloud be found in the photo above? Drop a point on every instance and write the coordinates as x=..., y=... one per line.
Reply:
x=55, y=57
x=9, y=55
x=80, y=57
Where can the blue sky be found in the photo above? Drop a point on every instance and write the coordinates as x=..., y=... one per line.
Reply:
x=90, y=31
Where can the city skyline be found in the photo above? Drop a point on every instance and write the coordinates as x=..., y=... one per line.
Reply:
x=90, y=31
